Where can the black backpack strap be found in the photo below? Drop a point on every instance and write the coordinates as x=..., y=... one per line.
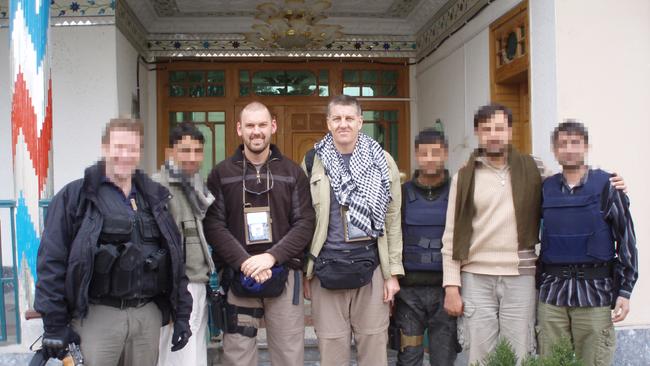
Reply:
x=309, y=160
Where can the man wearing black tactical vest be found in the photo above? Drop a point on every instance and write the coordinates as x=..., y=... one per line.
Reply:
x=420, y=302
x=259, y=225
x=110, y=268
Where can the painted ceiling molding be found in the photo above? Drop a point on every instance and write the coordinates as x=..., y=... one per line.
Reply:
x=127, y=22
x=389, y=8
x=451, y=17
x=72, y=12
x=235, y=45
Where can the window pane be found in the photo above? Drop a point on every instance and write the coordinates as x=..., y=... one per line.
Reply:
x=197, y=91
x=351, y=76
x=196, y=76
x=369, y=76
x=323, y=83
x=216, y=77
x=374, y=130
x=177, y=76
x=175, y=117
x=352, y=91
x=323, y=77
x=269, y=83
x=176, y=90
x=208, y=144
x=323, y=91
x=389, y=90
x=300, y=82
x=390, y=115
x=216, y=116
x=388, y=76
x=198, y=116
x=394, y=141
x=284, y=83
x=244, y=83
x=220, y=142
x=371, y=116
x=216, y=91
x=370, y=91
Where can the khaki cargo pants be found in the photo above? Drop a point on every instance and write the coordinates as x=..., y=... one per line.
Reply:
x=590, y=329
x=285, y=329
x=338, y=314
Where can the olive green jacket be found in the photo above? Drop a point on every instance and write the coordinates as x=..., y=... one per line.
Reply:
x=390, y=244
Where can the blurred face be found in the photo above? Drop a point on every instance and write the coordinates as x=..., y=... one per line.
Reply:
x=570, y=150
x=431, y=158
x=187, y=155
x=122, y=153
x=344, y=122
x=255, y=129
x=494, y=135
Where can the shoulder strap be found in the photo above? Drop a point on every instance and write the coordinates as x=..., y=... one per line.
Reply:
x=410, y=191
x=309, y=160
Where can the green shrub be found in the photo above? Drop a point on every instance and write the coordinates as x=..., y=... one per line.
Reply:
x=562, y=354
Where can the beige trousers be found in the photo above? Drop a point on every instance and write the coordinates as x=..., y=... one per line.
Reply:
x=339, y=314
x=110, y=336
x=497, y=307
x=285, y=329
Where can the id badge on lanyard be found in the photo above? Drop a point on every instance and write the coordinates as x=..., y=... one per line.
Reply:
x=257, y=226
x=351, y=233
x=257, y=220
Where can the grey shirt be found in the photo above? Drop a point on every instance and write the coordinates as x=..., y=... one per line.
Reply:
x=335, y=231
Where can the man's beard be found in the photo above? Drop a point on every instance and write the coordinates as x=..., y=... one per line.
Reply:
x=254, y=149
x=572, y=165
x=496, y=152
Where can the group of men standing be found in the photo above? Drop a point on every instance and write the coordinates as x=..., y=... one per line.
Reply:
x=123, y=254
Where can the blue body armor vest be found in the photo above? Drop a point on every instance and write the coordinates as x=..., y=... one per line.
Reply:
x=422, y=229
x=574, y=229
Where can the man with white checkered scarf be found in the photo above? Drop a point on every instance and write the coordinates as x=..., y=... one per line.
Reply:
x=356, y=251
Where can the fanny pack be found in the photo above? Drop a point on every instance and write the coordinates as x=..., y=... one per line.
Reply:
x=339, y=269
x=245, y=286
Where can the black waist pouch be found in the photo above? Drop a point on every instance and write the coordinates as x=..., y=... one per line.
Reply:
x=346, y=268
x=247, y=287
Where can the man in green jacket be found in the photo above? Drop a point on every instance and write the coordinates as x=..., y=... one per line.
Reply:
x=189, y=203
x=356, y=251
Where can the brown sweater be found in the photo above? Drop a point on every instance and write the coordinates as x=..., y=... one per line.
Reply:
x=292, y=213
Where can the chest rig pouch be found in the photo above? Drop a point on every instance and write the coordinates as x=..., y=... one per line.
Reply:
x=130, y=262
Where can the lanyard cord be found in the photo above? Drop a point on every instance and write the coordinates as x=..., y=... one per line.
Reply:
x=269, y=176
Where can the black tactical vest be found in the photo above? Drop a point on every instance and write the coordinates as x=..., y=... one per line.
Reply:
x=130, y=262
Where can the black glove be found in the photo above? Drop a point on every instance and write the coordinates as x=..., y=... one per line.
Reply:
x=56, y=340
x=181, y=335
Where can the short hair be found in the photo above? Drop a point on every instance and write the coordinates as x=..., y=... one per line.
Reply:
x=486, y=112
x=571, y=127
x=185, y=129
x=343, y=100
x=123, y=124
x=254, y=106
x=430, y=136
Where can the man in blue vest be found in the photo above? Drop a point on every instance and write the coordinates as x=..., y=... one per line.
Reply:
x=588, y=259
x=420, y=301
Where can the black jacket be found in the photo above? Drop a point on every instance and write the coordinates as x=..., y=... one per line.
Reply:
x=69, y=243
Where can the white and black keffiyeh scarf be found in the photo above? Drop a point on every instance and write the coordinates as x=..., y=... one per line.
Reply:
x=365, y=187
